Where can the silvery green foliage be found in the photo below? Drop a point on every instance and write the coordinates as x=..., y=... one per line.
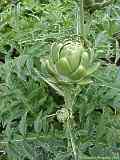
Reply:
x=29, y=126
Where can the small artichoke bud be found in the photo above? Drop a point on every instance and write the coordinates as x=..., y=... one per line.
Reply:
x=63, y=115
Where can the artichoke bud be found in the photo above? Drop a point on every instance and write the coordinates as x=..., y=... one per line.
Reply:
x=85, y=59
x=69, y=63
x=79, y=73
x=63, y=66
x=62, y=115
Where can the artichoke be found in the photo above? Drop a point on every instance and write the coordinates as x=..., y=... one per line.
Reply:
x=63, y=114
x=69, y=63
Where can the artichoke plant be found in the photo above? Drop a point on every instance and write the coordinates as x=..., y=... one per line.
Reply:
x=68, y=66
x=69, y=63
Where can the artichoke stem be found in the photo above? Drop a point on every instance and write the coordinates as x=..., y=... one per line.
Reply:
x=69, y=102
x=71, y=139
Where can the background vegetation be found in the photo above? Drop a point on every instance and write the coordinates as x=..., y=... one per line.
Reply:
x=29, y=129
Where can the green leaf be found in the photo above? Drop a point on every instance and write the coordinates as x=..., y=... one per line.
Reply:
x=28, y=150
x=9, y=131
x=101, y=39
x=45, y=125
x=38, y=125
x=92, y=69
x=23, y=125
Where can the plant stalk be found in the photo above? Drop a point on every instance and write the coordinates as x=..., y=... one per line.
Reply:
x=68, y=104
x=82, y=19
x=71, y=139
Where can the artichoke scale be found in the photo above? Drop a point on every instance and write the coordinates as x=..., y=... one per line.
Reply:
x=79, y=73
x=63, y=67
x=69, y=48
x=74, y=60
x=85, y=59
x=55, y=51
x=65, y=51
x=51, y=69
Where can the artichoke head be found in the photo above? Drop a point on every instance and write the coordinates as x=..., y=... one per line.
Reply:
x=69, y=62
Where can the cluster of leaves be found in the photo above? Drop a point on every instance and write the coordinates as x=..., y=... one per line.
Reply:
x=29, y=127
